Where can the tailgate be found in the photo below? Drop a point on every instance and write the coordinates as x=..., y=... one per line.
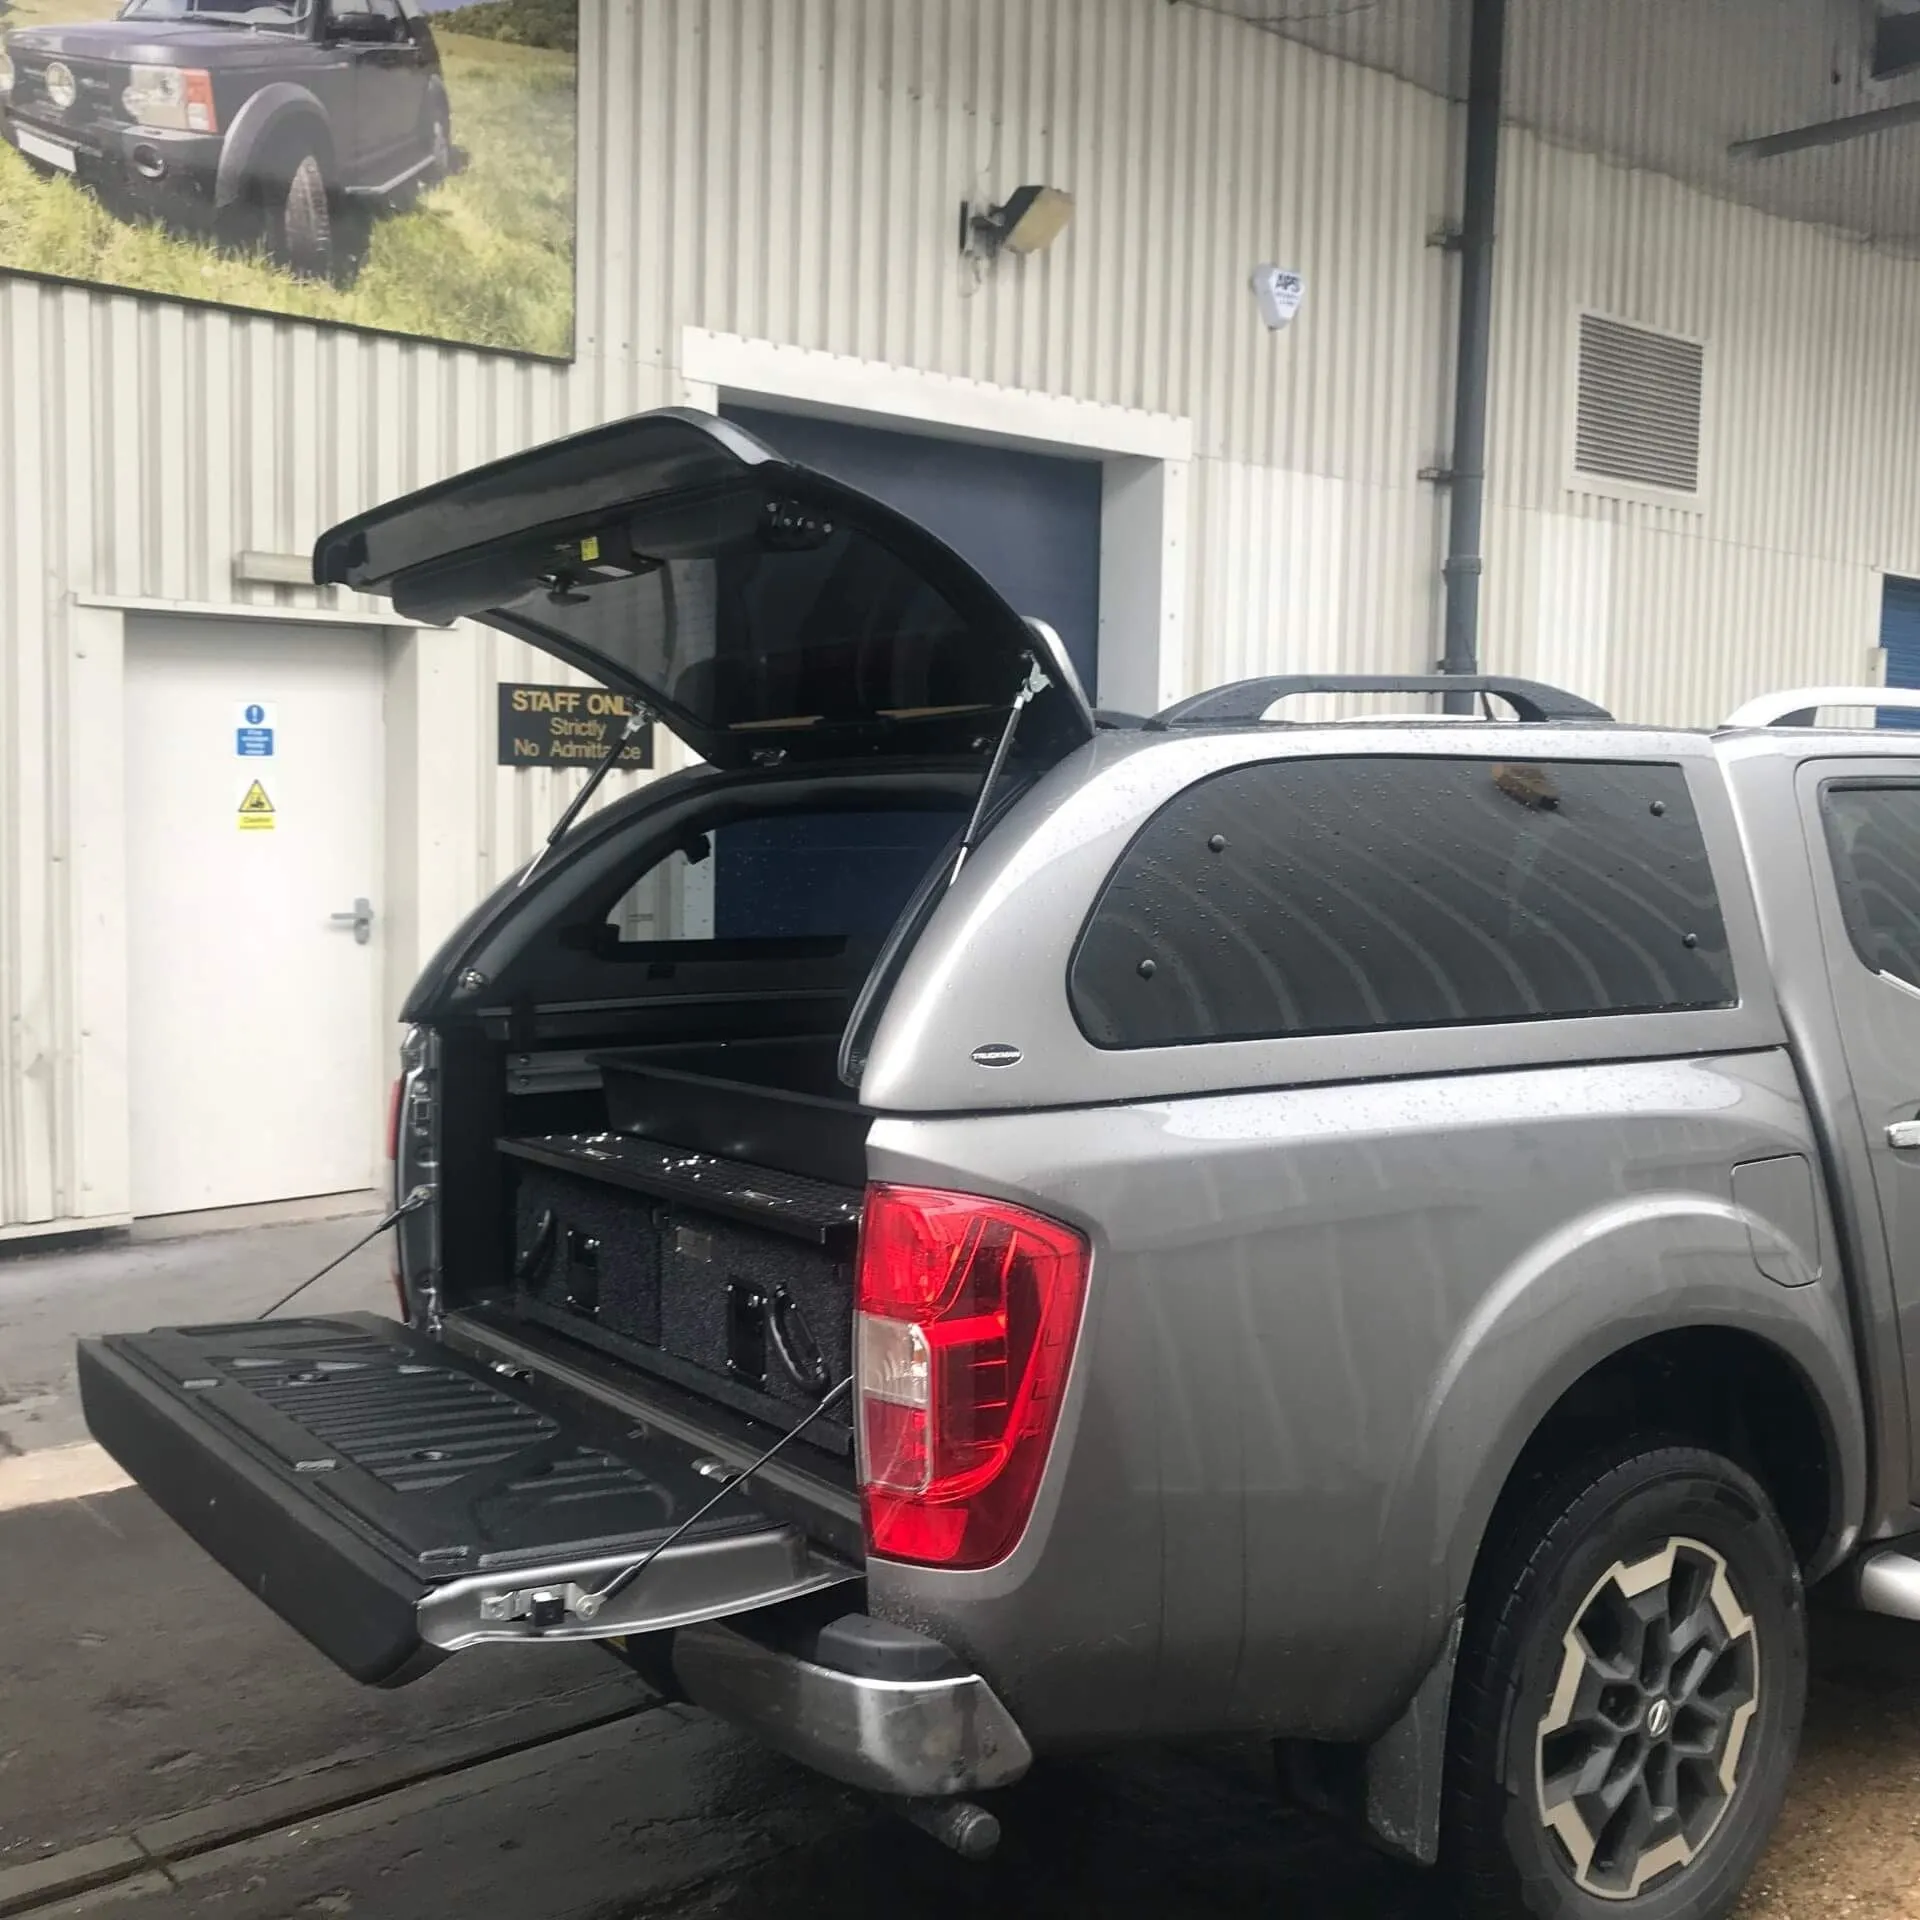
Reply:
x=395, y=1500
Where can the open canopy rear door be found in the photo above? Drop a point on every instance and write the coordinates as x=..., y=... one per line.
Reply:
x=763, y=610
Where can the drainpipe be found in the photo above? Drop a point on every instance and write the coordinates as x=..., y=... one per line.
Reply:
x=1468, y=475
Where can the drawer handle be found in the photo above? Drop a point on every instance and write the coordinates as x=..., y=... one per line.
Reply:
x=793, y=1341
x=531, y=1261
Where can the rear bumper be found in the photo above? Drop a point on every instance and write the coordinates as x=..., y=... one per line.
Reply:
x=924, y=1738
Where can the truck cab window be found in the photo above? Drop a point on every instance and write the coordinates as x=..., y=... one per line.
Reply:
x=1873, y=834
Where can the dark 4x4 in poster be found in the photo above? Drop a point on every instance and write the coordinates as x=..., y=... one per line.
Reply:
x=399, y=164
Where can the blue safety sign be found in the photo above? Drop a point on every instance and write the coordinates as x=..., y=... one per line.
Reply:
x=253, y=732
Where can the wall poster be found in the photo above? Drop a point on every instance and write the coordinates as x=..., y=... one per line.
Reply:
x=400, y=165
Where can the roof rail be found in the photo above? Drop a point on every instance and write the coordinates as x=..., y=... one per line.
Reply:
x=1248, y=700
x=1796, y=706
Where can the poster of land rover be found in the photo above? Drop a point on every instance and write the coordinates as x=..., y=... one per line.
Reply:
x=400, y=165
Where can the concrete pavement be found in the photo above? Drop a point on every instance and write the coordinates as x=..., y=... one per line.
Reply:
x=200, y=1267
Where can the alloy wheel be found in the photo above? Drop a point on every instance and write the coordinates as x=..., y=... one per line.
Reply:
x=1638, y=1754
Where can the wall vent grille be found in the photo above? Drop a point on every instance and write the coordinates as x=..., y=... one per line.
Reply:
x=1638, y=418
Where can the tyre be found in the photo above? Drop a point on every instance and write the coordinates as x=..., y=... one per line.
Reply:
x=300, y=218
x=1629, y=1697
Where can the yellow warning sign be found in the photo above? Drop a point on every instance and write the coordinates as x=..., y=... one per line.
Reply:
x=256, y=810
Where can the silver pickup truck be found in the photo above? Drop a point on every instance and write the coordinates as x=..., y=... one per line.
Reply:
x=962, y=1226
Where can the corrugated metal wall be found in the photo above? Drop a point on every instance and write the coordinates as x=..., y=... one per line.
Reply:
x=791, y=169
x=1810, y=485
x=1619, y=194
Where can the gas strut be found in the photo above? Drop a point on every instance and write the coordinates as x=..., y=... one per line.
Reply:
x=637, y=723
x=1036, y=681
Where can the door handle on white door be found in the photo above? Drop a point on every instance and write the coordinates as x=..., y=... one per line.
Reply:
x=1904, y=1135
x=361, y=921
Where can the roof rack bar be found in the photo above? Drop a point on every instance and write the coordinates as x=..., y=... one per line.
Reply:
x=1797, y=706
x=1248, y=700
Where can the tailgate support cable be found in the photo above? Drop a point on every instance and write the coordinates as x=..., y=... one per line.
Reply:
x=414, y=1201
x=587, y=1604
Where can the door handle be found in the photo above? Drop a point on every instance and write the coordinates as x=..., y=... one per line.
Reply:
x=1904, y=1135
x=361, y=921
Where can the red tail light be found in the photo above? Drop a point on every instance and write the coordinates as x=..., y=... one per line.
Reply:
x=393, y=1124
x=968, y=1313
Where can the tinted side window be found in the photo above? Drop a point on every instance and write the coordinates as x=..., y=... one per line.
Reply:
x=844, y=875
x=833, y=630
x=1335, y=896
x=1874, y=835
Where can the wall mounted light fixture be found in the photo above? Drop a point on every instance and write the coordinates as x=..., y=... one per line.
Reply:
x=1032, y=219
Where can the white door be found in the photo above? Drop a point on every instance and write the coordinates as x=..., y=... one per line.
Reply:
x=254, y=799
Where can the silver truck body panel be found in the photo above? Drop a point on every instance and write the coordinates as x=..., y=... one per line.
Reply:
x=1856, y=1039
x=1323, y=1322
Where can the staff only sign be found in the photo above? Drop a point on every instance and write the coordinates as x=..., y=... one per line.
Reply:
x=566, y=727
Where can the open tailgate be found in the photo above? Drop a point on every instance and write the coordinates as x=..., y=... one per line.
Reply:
x=396, y=1500
x=763, y=611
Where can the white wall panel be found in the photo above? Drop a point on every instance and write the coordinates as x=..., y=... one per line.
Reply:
x=1271, y=582
x=1809, y=479
x=1301, y=573
x=1564, y=568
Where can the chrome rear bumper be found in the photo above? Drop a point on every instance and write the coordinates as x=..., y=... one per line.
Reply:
x=922, y=1738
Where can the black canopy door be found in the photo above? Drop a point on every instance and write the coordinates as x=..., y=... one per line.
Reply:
x=760, y=608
